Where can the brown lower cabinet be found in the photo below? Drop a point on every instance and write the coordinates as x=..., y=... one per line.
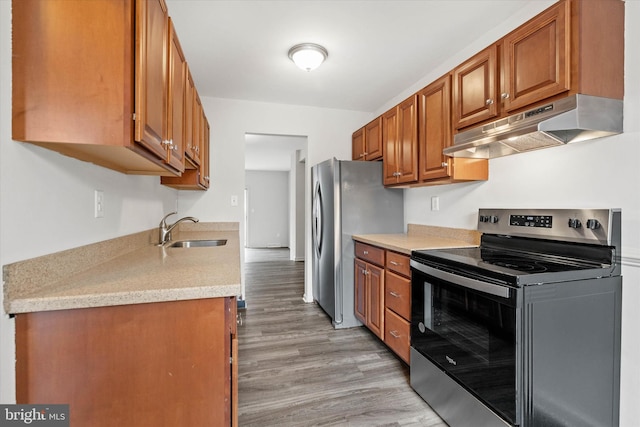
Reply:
x=383, y=295
x=157, y=364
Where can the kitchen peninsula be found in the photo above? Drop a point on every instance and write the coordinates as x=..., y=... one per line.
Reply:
x=128, y=332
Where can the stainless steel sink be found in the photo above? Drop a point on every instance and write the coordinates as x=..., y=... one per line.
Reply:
x=197, y=243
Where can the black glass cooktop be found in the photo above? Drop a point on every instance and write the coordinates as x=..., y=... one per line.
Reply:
x=516, y=266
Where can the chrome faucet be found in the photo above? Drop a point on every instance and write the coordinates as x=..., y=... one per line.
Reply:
x=165, y=230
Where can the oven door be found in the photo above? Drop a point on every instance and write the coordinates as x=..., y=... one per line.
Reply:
x=467, y=328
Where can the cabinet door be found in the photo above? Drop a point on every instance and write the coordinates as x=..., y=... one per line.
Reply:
x=177, y=88
x=69, y=89
x=537, y=58
x=189, y=105
x=168, y=360
x=375, y=300
x=373, y=140
x=357, y=145
x=475, y=89
x=204, y=161
x=390, y=159
x=434, y=128
x=151, y=76
x=360, y=280
x=407, y=144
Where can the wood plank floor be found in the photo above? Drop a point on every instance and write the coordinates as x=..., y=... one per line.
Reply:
x=296, y=370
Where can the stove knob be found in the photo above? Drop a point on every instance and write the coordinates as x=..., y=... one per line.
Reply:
x=493, y=219
x=483, y=218
x=574, y=223
x=593, y=224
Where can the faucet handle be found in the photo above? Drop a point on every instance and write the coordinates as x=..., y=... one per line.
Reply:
x=165, y=218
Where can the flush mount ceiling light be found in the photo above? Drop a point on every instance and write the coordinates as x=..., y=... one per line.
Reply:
x=308, y=56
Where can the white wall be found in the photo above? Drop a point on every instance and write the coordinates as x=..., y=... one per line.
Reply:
x=297, y=203
x=267, y=209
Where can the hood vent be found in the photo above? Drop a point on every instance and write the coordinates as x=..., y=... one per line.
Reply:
x=571, y=119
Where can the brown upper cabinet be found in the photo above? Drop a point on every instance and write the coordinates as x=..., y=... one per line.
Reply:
x=177, y=104
x=400, y=143
x=196, y=173
x=574, y=46
x=102, y=81
x=435, y=134
x=366, y=142
x=475, y=85
x=434, y=124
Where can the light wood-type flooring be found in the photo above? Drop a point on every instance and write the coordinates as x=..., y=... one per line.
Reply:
x=296, y=370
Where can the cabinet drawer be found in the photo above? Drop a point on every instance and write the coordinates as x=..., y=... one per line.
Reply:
x=398, y=263
x=396, y=334
x=370, y=253
x=398, y=294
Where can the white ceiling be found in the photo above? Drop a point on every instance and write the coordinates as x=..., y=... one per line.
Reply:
x=377, y=48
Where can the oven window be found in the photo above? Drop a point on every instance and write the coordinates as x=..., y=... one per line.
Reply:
x=471, y=336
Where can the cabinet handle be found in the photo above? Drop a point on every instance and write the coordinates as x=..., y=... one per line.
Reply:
x=168, y=143
x=488, y=102
x=365, y=252
x=394, y=334
x=361, y=155
x=239, y=319
x=394, y=294
x=394, y=263
x=206, y=178
x=505, y=95
x=445, y=164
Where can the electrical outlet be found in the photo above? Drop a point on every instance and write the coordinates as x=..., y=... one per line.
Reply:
x=98, y=207
x=435, y=203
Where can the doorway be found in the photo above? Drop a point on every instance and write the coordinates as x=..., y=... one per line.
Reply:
x=275, y=192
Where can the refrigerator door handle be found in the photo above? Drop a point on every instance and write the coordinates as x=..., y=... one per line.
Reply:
x=317, y=218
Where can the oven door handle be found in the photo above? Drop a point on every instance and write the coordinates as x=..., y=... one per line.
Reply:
x=466, y=282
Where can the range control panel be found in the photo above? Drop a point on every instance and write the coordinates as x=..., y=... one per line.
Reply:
x=545, y=221
x=597, y=226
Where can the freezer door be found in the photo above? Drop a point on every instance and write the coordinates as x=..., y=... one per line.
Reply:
x=323, y=237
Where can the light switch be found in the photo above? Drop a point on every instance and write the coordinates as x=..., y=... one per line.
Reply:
x=234, y=200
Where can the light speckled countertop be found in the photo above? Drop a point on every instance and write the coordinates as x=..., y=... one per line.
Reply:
x=127, y=270
x=422, y=237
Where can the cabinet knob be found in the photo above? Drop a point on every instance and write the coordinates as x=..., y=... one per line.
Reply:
x=488, y=102
x=505, y=95
x=445, y=164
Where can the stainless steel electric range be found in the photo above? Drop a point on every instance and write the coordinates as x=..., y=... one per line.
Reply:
x=523, y=330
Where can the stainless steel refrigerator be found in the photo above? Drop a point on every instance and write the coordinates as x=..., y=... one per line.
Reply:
x=348, y=199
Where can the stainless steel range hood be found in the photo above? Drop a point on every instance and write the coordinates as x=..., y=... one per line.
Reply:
x=572, y=119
